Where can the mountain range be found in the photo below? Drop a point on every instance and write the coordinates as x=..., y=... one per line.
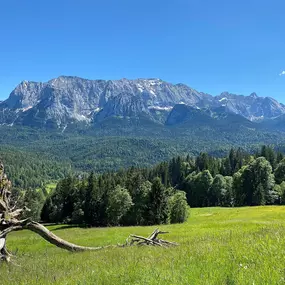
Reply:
x=66, y=101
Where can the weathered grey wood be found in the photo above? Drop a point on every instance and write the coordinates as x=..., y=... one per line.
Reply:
x=154, y=234
x=150, y=241
x=53, y=239
x=2, y=243
x=4, y=254
x=167, y=242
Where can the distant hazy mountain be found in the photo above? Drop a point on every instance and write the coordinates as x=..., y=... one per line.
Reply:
x=251, y=107
x=66, y=100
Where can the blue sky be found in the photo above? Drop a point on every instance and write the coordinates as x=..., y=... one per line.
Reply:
x=212, y=46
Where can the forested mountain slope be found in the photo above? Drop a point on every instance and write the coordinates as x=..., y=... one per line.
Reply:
x=111, y=147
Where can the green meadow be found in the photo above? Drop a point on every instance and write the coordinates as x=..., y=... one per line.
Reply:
x=216, y=246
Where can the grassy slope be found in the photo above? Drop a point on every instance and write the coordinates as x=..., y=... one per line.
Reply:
x=217, y=246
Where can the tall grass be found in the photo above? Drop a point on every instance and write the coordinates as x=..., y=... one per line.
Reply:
x=217, y=246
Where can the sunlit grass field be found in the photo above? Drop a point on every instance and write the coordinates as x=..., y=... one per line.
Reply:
x=49, y=187
x=217, y=246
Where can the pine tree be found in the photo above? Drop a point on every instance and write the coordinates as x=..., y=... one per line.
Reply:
x=214, y=194
x=280, y=172
x=158, y=207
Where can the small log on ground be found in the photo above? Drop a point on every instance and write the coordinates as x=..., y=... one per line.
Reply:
x=150, y=240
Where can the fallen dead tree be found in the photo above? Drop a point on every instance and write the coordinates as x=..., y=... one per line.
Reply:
x=151, y=240
x=10, y=221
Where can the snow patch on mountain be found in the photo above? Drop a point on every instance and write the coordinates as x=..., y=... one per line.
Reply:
x=68, y=99
x=160, y=108
x=27, y=108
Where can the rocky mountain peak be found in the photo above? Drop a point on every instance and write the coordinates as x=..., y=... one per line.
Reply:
x=253, y=95
x=71, y=98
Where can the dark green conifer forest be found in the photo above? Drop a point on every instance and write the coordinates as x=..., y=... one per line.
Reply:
x=163, y=193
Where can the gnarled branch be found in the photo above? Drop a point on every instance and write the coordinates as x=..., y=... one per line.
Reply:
x=53, y=239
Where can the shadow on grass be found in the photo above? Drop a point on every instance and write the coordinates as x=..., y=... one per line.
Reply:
x=63, y=227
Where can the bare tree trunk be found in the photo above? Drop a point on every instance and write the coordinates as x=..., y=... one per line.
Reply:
x=4, y=254
x=53, y=239
x=44, y=233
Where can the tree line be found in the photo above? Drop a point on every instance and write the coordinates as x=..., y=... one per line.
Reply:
x=122, y=198
x=162, y=194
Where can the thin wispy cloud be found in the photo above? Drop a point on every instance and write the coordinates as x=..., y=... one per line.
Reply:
x=282, y=73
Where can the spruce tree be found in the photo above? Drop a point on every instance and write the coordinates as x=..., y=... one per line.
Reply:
x=158, y=203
